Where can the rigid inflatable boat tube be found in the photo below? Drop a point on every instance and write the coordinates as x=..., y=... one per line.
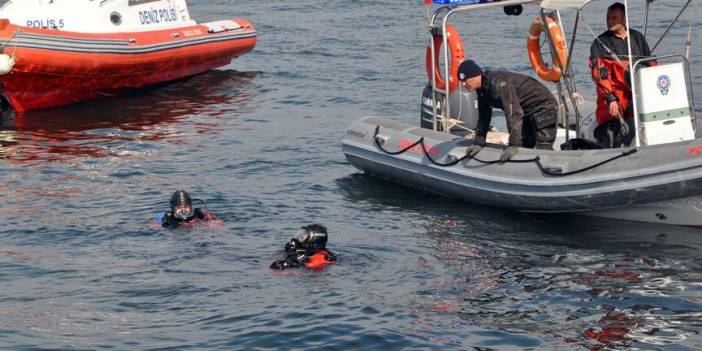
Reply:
x=536, y=159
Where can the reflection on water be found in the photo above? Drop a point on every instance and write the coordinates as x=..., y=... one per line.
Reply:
x=560, y=281
x=81, y=269
x=108, y=127
x=604, y=299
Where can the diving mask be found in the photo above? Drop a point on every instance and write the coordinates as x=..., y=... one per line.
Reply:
x=183, y=212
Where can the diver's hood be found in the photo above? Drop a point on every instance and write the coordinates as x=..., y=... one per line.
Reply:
x=313, y=236
x=181, y=205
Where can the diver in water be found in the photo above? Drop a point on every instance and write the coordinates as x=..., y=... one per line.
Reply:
x=307, y=249
x=182, y=211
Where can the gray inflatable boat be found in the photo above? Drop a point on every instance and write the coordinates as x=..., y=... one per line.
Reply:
x=534, y=180
x=657, y=180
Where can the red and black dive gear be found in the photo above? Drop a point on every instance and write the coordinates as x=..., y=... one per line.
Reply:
x=307, y=249
x=182, y=211
x=609, y=65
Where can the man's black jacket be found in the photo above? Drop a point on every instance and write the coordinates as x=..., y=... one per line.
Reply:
x=517, y=95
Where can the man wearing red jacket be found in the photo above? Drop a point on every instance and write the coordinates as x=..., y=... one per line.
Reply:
x=609, y=64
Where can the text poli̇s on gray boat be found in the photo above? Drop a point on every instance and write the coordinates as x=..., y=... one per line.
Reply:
x=659, y=179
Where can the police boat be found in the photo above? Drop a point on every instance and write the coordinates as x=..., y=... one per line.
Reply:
x=59, y=52
x=657, y=179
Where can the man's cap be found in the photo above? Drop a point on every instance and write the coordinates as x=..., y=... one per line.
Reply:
x=468, y=69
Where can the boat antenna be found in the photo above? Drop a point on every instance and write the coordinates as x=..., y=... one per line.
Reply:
x=688, y=42
x=645, y=25
x=670, y=26
x=427, y=6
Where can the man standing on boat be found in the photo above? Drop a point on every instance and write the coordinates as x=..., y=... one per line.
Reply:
x=609, y=64
x=530, y=109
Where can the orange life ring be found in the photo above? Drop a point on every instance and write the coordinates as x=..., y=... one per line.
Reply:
x=455, y=45
x=552, y=74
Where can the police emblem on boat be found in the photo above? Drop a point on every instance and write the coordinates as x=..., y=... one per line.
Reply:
x=663, y=84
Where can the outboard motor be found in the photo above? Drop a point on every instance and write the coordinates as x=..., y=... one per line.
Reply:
x=464, y=107
x=587, y=128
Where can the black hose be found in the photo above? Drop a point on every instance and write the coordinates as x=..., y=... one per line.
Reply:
x=375, y=139
x=536, y=159
x=418, y=142
x=623, y=154
x=449, y=164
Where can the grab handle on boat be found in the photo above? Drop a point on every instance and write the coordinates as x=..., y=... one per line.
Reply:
x=553, y=169
x=381, y=139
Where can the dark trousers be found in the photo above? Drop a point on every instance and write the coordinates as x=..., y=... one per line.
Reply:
x=615, y=133
x=539, y=129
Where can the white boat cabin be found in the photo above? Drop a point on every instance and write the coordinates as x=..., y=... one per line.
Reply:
x=98, y=16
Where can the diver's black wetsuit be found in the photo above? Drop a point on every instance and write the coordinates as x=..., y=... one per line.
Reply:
x=308, y=250
x=530, y=109
x=305, y=259
x=169, y=221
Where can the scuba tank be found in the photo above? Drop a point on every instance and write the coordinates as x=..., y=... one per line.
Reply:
x=464, y=106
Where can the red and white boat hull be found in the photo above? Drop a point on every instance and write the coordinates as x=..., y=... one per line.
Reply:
x=54, y=67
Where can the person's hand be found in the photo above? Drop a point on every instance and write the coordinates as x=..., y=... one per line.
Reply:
x=478, y=143
x=473, y=150
x=280, y=264
x=292, y=246
x=508, y=153
x=615, y=110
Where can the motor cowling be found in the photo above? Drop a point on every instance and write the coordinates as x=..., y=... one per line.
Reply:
x=464, y=107
x=587, y=128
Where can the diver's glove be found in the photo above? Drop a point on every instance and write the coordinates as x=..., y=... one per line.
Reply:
x=285, y=264
x=168, y=221
x=508, y=153
x=280, y=264
x=293, y=246
x=199, y=214
x=329, y=256
x=478, y=143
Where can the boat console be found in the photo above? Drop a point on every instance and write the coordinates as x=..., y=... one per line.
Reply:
x=663, y=102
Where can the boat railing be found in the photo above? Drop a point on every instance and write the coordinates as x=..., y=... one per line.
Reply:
x=567, y=77
x=438, y=23
x=442, y=14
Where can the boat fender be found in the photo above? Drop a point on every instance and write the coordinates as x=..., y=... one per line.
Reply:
x=7, y=63
x=456, y=52
x=552, y=74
